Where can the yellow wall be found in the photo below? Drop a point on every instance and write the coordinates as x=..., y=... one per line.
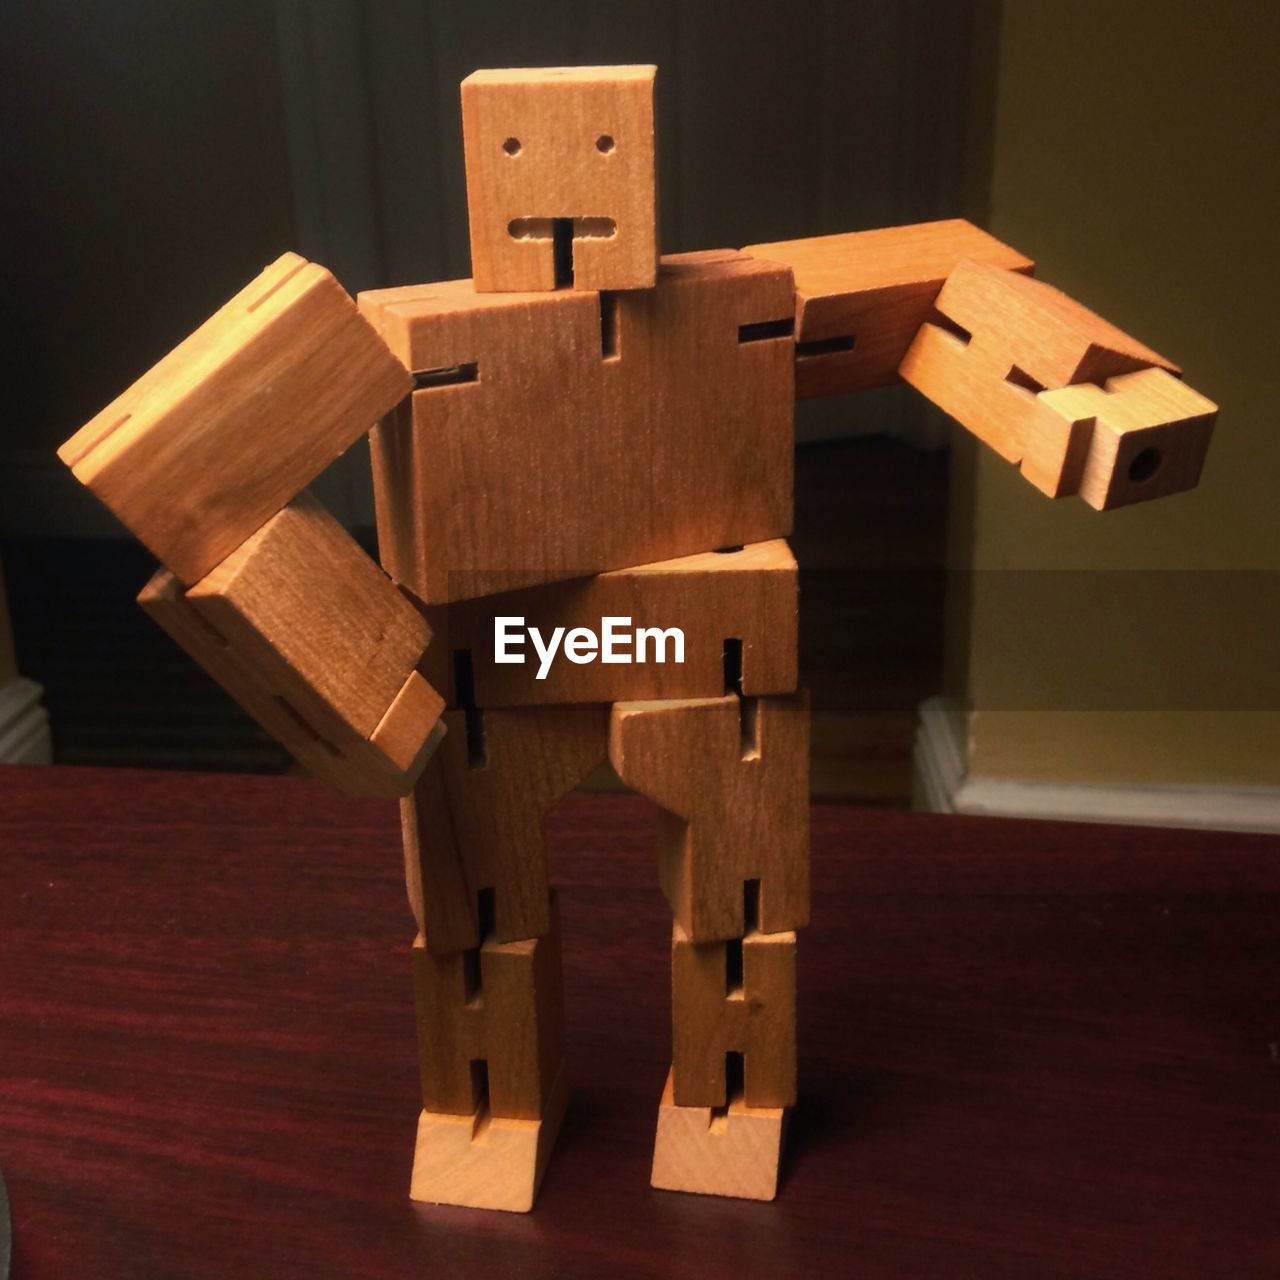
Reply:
x=1134, y=159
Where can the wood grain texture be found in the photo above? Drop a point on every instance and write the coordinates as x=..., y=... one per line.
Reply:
x=1144, y=435
x=736, y=1152
x=483, y=1161
x=239, y=417
x=475, y=820
x=731, y=778
x=561, y=143
x=666, y=432
x=748, y=1008
x=312, y=640
x=872, y=290
x=971, y=388
x=1051, y=337
x=1028, y=1040
x=748, y=596
x=501, y=1005
x=1020, y=337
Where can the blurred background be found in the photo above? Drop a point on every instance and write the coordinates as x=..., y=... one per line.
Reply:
x=967, y=642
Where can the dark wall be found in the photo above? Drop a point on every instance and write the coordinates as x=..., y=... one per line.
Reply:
x=775, y=120
x=146, y=170
x=160, y=152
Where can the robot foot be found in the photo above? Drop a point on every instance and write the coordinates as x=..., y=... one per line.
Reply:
x=483, y=1161
x=718, y=1151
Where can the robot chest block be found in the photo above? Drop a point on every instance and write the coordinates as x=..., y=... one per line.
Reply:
x=558, y=434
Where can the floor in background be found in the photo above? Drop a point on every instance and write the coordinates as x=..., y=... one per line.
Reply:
x=870, y=531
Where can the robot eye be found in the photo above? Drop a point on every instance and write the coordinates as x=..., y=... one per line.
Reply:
x=605, y=143
x=512, y=146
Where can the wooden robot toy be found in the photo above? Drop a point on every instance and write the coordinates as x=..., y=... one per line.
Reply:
x=585, y=449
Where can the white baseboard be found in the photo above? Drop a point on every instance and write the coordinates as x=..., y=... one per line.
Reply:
x=24, y=724
x=943, y=785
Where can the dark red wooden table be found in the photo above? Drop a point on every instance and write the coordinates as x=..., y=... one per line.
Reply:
x=1029, y=1049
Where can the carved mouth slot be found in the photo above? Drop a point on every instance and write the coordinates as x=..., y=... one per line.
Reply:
x=587, y=228
x=562, y=251
x=562, y=232
x=531, y=228
x=594, y=228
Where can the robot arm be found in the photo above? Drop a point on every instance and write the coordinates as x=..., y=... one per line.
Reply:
x=205, y=459
x=1080, y=406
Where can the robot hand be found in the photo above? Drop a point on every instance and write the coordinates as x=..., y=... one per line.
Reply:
x=1079, y=405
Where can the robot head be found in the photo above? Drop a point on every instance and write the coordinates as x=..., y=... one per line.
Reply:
x=561, y=186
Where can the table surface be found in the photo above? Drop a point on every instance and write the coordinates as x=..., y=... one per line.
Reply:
x=1027, y=1048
